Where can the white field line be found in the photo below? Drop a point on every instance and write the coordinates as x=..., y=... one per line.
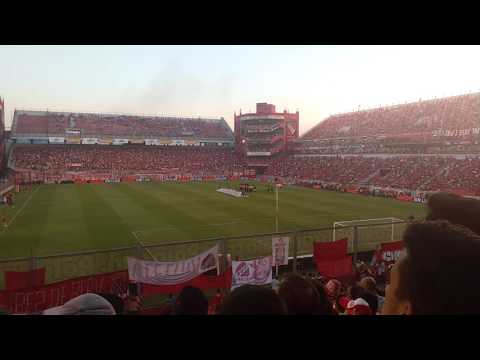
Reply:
x=21, y=209
x=143, y=247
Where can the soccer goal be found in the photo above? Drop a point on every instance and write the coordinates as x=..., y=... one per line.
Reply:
x=366, y=235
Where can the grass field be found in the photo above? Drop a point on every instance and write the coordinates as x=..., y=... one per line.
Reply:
x=51, y=219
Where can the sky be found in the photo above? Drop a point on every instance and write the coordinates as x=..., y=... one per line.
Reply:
x=216, y=81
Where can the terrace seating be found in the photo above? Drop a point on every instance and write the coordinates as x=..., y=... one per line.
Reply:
x=121, y=126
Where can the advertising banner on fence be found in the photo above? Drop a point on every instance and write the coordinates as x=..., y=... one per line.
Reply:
x=152, y=142
x=136, y=141
x=104, y=141
x=280, y=250
x=120, y=141
x=56, y=140
x=171, y=273
x=89, y=141
x=253, y=272
x=37, y=299
x=73, y=140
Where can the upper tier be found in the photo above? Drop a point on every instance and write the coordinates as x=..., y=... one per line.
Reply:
x=38, y=123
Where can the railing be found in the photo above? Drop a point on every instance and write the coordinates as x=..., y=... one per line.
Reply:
x=59, y=267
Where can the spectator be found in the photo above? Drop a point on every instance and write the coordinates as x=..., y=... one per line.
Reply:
x=217, y=301
x=437, y=274
x=358, y=307
x=115, y=301
x=191, y=301
x=300, y=295
x=253, y=300
x=370, y=286
x=325, y=306
x=86, y=304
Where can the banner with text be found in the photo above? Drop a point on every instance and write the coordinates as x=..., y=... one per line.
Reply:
x=171, y=273
x=280, y=250
x=253, y=272
x=37, y=299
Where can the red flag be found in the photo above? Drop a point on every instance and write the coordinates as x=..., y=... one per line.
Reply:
x=336, y=268
x=16, y=280
x=335, y=250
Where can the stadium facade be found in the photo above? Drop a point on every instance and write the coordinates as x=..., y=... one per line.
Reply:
x=266, y=132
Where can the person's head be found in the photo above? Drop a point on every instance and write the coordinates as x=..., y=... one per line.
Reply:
x=170, y=296
x=438, y=273
x=355, y=292
x=191, y=301
x=299, y=294
x=369, y=284
x=455, y=209
x=325, y=307
x=86, y=304
x=253, y=300
x=115, y=301
x=333, y=288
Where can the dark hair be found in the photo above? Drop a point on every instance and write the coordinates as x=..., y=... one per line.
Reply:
x=372, y=301
x=115, y=301
x=252, y=299
x=325, y=306
x=191, y=301
x=440, y=271
x=299, y=294
x=355, y=292
x=456, y=209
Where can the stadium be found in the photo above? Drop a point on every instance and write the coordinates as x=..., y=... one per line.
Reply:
x=86, y=194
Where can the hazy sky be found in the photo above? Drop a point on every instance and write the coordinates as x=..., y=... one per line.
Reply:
x=218, y=80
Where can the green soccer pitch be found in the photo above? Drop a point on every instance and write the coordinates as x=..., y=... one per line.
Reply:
x=52, y=219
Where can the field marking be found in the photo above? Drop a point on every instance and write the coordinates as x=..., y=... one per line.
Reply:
x=143, y=246
x=20, y=210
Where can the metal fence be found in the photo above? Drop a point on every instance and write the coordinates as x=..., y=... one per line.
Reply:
x=59, y=267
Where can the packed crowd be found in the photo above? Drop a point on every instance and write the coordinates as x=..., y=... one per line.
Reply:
x=55, y=124
x=445, y=246
x=184, y=160
x=427, y=173
x=414, y=173
x=419, y=118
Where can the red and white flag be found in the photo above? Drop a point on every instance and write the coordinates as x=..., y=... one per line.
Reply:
x=171, y=273
x=252, y=272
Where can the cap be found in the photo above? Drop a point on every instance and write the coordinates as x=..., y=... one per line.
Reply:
x=86, y=304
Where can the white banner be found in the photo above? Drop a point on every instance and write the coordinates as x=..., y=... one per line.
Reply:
x=253, y=272
x=178, y=142
x=172, y=273
x=56, y=140
x=120, y=141
x=89, y=141
x=152, y=142
x=280, y=250
x=258, y=153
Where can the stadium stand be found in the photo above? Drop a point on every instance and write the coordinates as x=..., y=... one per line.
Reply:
x=55, y=124
x=424, y=119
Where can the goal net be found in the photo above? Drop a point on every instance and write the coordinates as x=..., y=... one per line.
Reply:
x=369, y=233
